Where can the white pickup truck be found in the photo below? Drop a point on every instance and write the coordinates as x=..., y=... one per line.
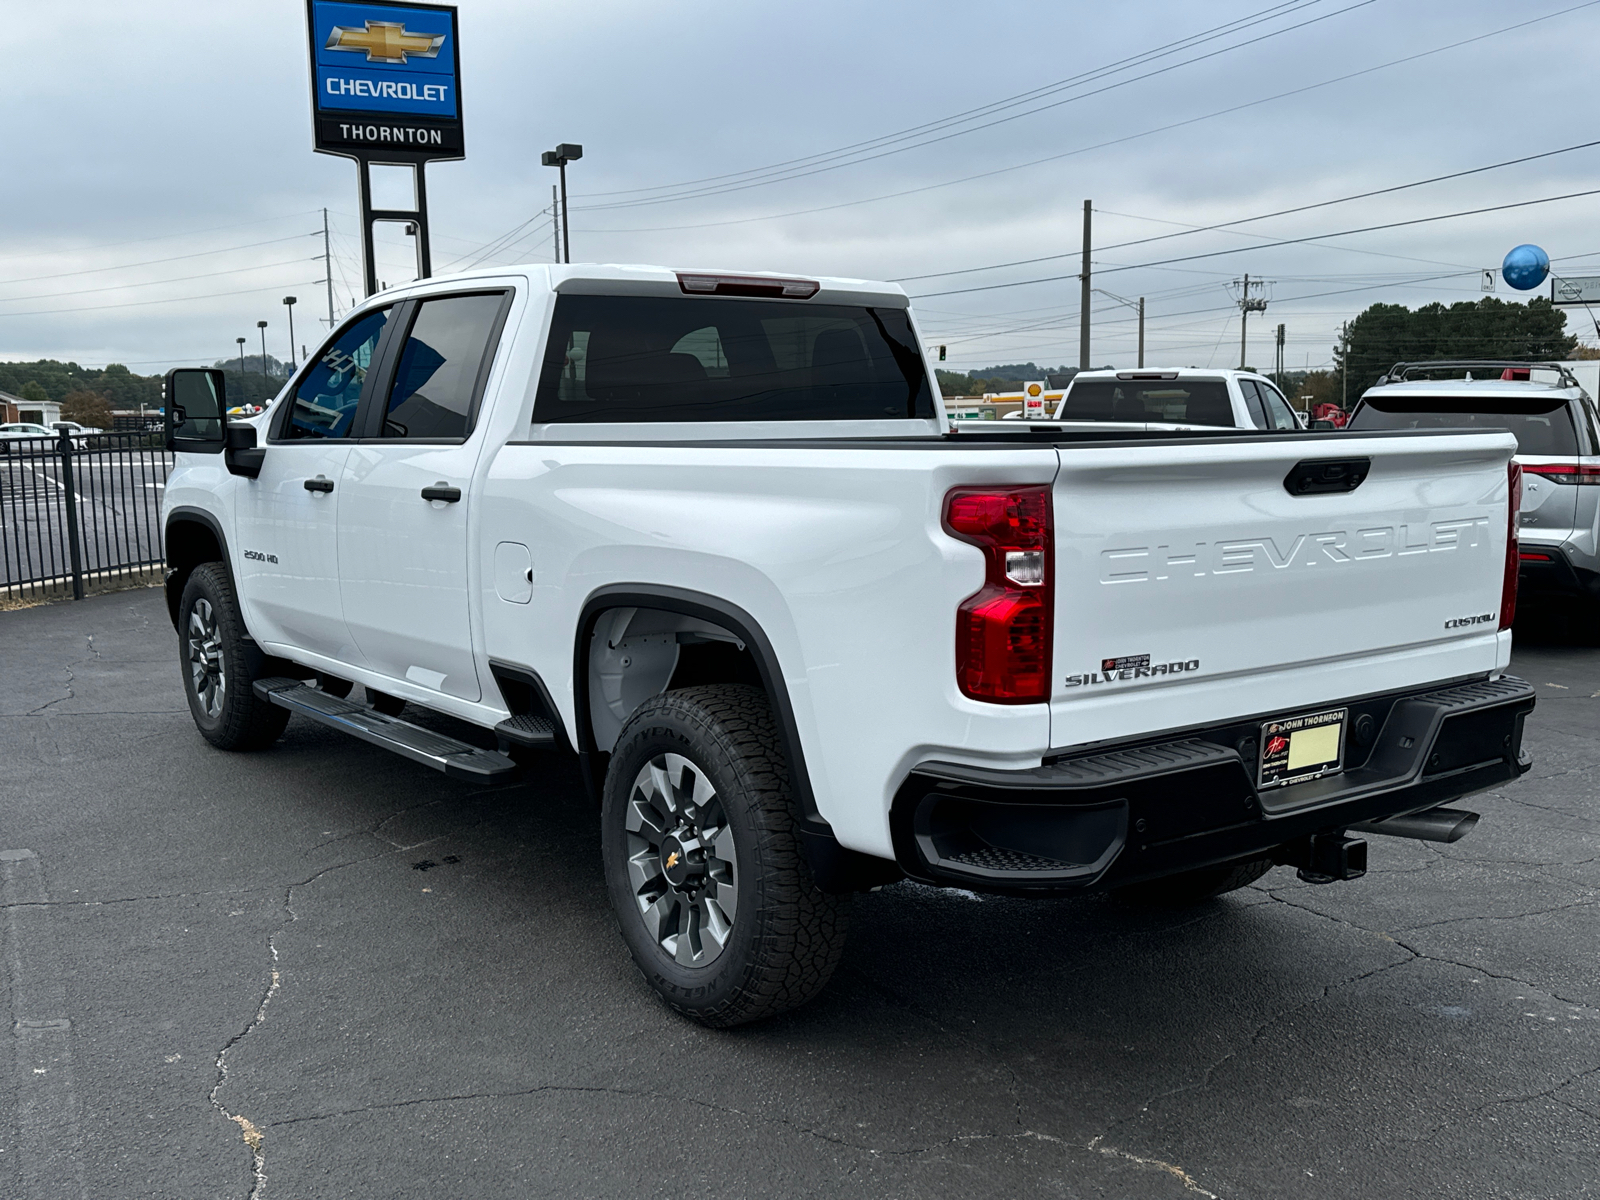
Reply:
x=711, y=534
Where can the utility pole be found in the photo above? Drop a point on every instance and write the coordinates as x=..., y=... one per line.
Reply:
x=1278, y=379
x=327, y=266
x=1083, y=315
x=1141, y=331
x=555, y=224
x=1248, y=305
x=1344, y=367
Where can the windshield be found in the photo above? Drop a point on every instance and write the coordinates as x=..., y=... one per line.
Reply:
x=1542, y=423
x=1182, y=401
x=668, y=358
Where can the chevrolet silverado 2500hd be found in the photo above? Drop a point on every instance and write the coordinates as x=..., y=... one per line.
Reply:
x=710, y=534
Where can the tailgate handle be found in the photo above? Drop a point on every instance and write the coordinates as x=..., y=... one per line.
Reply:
x=1320, y=476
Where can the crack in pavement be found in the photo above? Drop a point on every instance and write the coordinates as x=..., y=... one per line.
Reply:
x=250, y=1132
x=1543, y=1094
x=70, y=681
x=1425, y=956
x=1537, y=912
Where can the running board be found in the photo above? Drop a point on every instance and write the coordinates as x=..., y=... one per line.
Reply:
x=455, y=758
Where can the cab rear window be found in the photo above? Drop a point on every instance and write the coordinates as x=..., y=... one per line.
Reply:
x=1542, y=424
x=665, y=358
x=1183, y=401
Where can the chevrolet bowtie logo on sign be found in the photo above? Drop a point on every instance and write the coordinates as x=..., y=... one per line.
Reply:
x=385, y=79
x=385, y=41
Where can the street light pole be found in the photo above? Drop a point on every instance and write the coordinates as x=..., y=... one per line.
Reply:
x=262, y=325
x=559, y=157
x=288, y=302
x=241, y=358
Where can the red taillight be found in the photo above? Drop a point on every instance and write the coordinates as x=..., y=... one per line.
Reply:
x=1530, y=556
x=1003, y=631
x=1568, y=473
x=1508, y=588
x=748, y=285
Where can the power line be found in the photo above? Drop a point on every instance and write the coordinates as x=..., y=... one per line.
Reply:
x=117, y=287
x=971, y=113
x=1282, y=212
x=160, y=237
x=855, y=157
x=1221, y=112
x=150, y=262
x=1470, y=212
x=271, y=287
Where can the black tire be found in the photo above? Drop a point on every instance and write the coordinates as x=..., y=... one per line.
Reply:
x=389, y=706
x=1193, y=887
x=784, y=937
x=220, y=664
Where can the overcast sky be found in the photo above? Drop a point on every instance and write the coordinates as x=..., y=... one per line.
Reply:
x=181, y=132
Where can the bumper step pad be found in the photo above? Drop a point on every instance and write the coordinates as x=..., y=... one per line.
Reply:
x=455, y=758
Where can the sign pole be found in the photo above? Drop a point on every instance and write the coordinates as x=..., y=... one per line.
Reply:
x=386, y=89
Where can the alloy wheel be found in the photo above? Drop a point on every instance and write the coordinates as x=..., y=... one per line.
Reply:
x=207, y=673
x=682, y=866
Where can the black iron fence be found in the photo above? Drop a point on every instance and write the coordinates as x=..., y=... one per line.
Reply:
x=76, y=511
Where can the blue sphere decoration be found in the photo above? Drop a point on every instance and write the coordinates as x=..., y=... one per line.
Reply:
x=1525, y=267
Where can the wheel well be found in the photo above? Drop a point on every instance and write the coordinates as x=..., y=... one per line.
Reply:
x=636, y=653
x=190, y=542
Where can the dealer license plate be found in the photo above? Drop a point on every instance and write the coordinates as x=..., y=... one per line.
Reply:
x=1295, y=749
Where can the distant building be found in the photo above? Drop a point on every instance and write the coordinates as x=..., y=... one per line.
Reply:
x=39, y=412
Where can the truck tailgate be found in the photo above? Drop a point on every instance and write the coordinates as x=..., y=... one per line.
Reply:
x=1192, y=586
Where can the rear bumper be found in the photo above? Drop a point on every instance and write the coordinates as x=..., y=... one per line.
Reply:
x=1550, y=574
x=1119, y=815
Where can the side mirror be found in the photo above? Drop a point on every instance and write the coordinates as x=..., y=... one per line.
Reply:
x=197, y=410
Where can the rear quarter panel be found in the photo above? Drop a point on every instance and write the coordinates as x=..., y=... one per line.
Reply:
x=837, y=553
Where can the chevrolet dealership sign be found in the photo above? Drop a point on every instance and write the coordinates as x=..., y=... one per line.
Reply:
x=385, y=79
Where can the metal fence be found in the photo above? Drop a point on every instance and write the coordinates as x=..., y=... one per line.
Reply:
x=79, y=511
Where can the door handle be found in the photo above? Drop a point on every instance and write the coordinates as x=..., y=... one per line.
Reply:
x=320, y=484
x=442, y=491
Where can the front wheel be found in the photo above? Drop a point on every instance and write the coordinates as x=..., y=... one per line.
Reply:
x=218, y=663
x=703, y=860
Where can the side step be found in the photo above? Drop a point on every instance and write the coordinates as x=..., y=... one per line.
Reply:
x=525, y=729
x=455, y=758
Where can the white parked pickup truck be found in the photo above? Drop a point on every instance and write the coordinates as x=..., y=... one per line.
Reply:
x=710, y=533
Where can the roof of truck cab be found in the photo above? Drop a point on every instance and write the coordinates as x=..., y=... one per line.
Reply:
x=641, y=279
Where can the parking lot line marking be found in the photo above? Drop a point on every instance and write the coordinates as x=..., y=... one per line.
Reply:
x=49, y=1149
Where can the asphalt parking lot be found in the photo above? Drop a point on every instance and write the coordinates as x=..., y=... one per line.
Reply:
x=323, y=971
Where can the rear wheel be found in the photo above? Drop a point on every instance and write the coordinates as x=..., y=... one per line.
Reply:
x=703, y=861
x=1192, y=887
x=219, y=665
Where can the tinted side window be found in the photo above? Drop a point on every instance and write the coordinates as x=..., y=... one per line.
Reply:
x=1278, y=410
x=648, y=358
x=1253, y=404
x=437, y=378
x=325, y=402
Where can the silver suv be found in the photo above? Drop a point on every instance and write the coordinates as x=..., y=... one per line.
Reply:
x=1558, y=445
